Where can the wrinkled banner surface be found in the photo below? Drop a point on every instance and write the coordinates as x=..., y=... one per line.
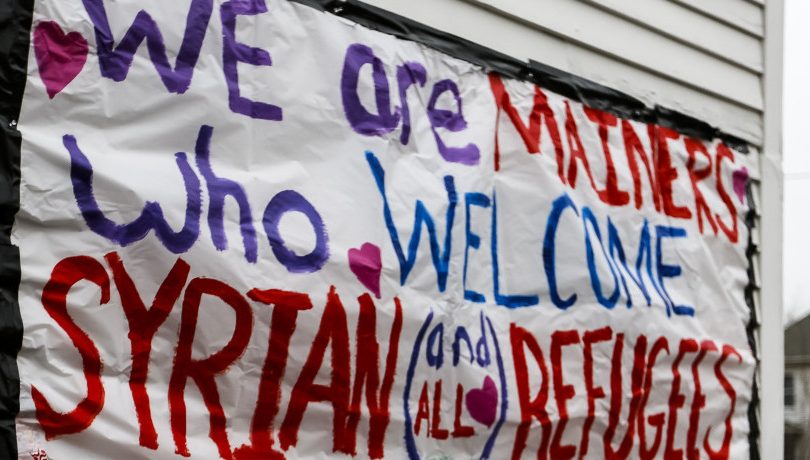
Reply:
x=254, y=230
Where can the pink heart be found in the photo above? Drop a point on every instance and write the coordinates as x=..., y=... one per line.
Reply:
x=60, y=56
x=366, y=264
x=482, y=403
x=740, y=181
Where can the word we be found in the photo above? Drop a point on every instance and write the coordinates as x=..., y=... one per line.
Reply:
x=115, y=60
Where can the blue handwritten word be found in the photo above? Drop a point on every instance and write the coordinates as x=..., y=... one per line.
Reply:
x=607, y=246
x=421, y=216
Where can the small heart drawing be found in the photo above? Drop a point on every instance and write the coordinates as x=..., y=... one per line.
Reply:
x=482, y=403
x=740, y=181
x=60, y=56
x=366, y=264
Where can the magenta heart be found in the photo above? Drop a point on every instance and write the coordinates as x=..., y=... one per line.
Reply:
x=366, y=264
x=60, y=56
x=740, y=181
x=482, y=403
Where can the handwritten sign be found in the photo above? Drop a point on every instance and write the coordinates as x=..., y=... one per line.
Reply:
x=251, y=229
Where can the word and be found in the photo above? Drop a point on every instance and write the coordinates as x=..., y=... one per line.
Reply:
x=473, y=359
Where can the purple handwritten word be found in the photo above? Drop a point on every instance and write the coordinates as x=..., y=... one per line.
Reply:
x=218, y=188
x=363, y=121
x=387, y=118
x=234, y=52
x=288, y=201
x=151, y=218
x=115, y=60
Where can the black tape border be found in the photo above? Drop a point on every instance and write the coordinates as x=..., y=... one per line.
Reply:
x=15, y=28
x=753, y=324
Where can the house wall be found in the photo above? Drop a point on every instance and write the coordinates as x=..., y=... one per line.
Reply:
x=797, y=415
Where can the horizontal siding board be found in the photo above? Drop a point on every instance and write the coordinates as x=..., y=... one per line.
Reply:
x=524, y=41
x=594, y=28
x=739, y=121
x=745, y=15
x=691, y=28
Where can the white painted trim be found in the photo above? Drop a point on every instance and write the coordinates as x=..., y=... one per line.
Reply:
x=771, y=333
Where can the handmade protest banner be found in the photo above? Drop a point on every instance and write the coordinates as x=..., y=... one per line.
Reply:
x=254, y=229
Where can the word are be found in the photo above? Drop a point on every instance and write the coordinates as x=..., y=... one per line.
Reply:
x=388, y=118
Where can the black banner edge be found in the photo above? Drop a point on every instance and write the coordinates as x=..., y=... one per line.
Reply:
x=15, y=27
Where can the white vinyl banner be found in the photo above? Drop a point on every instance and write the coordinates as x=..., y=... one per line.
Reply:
x=250, y=229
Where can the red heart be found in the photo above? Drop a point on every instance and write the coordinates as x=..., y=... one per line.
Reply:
x=482, y=404
x=740, y=182
x=366, y=264
x=60, y=56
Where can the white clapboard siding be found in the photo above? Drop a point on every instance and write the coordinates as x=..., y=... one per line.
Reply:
x=718, y=39
x=686, y=55
x=743, y=14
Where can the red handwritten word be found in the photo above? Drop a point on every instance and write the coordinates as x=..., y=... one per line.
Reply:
x=661, y=171
x=344, y=395
x=648, y=366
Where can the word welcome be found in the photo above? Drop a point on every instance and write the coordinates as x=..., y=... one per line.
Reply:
x=648, y=263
